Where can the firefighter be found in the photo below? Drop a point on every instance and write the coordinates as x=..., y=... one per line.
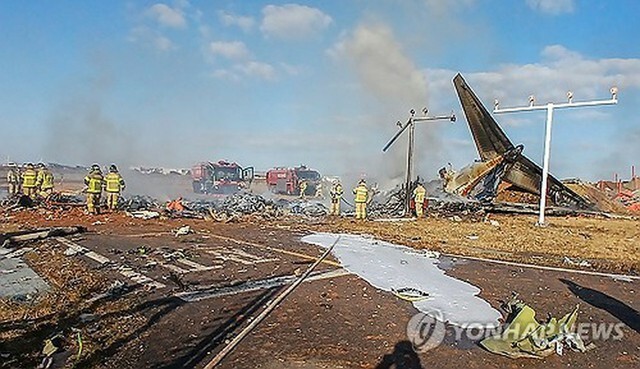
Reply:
x=29, y=177
x=336, y=195
x=361, y=198
x=94, y=181
x=419, y=195
x=113, y=184
x=13, y=179
x=44, y=181
x=303, y=188
x=319, y=191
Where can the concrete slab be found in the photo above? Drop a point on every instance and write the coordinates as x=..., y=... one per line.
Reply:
x=19, y=281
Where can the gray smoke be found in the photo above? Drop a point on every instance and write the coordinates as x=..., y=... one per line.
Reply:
x=392, y=85
x=81, y=128
x=81, y=133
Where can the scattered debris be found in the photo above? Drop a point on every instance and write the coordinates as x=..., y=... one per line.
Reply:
x=175, y=205
x=139, y=202
x=183, y=231
x=144, y=214
x=87, y=318
x=38, y=234
x=525, y=337
x=410, y=294
x=117, y=288
x=576, y=262
x=17, y=202
x=308, y=208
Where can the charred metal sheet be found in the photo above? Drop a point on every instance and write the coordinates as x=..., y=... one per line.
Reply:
x=492, y=142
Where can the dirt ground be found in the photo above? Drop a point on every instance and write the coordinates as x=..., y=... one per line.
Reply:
x=174, y=312
x=606, y=244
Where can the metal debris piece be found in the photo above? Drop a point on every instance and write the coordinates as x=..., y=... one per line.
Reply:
x=38, y=234
x=410, y=294
x=308, y=208
x=576, y=262
x=139, y=202
x=183, y=231
x=144, y=214
x=525, y=337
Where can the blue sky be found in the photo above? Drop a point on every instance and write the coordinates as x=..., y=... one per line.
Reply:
x=269, y=83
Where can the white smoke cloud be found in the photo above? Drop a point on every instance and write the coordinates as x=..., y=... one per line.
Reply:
x=393, y=84
x=382, y=65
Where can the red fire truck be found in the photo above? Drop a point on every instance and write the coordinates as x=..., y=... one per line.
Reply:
x=221, y=177
x=287, y=180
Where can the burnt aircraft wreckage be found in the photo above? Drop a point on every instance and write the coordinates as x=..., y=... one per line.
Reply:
x=500, y=160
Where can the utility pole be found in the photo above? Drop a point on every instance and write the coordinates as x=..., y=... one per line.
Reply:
x=550, y=107
x=411, y=125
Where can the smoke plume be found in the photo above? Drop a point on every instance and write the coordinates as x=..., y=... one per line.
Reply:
x=392, y=85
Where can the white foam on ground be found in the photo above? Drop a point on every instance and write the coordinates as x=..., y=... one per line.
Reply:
x=387, y=266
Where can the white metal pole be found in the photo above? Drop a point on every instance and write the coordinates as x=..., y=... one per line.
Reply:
x=545, y=163
x=407, y=202
x=547, y=139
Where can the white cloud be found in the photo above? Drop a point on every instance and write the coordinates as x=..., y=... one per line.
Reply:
x=562, y=69
x=245, y=23
x=162, y=43
x=167, y=16
x=292, y=70
x=152, y=38
x=235, y=50
x=257, y=69
x=225, y=74
x=558, y=71
x=293, y=21
x=553, y=7
x=249, y=69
